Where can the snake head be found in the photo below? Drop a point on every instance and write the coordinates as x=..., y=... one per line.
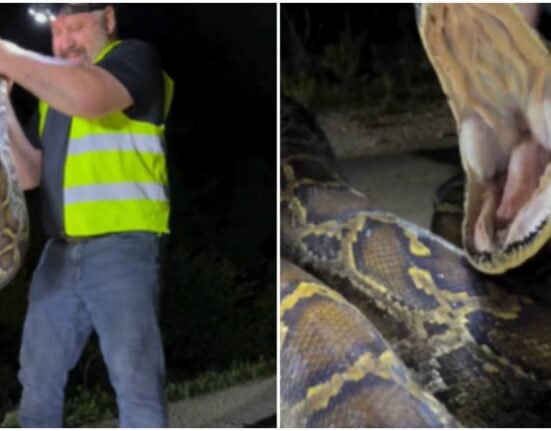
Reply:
x=496, y=74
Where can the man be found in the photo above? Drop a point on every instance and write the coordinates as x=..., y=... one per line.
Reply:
x=99, y=157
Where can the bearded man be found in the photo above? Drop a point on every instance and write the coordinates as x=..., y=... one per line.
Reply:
x=96, y=149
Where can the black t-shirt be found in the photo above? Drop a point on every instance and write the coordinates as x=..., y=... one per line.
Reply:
x=137, y=66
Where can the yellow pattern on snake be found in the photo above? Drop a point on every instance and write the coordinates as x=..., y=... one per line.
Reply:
x=14, y=226
x=395, y=328
x=417, y=338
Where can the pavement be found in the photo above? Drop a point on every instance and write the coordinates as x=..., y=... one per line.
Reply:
x=252, y=404
x=403, y=184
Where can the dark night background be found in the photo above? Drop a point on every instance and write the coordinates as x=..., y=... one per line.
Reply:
x=367, y=55
x=335, y=55
x=219, y=299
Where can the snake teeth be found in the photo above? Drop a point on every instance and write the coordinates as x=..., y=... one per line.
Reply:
x=496, y=73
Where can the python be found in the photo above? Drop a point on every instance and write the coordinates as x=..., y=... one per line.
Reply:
x=385, y=324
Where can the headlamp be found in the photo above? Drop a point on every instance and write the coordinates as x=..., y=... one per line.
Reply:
x=44, y=14
x=41, y=15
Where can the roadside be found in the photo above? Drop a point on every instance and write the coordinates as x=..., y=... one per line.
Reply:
x=403, y=184
x=243, y=395
x=249, y=404
x=359, y=132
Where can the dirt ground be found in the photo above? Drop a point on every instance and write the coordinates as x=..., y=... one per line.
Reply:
x=403, y=184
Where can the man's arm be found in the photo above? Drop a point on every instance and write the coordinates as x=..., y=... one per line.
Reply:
x=27, y=159
x=75, y=90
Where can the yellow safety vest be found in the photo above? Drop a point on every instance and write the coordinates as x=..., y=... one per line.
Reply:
x=115, y=177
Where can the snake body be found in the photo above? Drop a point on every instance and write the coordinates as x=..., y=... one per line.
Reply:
x=14, y=224
x=466, y=351
x=386, y=324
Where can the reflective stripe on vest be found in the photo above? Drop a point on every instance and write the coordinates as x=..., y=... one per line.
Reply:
x=113, y=192
x=115, y=177
x=117, y=142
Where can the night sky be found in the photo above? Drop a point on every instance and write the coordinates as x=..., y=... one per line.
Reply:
x=324, y=22
x=383, y=22
x=321, y=24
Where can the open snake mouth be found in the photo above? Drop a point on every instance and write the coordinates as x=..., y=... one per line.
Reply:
x=508, y=197
x=496, y=73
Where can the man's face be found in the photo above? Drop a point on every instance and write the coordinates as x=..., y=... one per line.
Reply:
x=79, y=38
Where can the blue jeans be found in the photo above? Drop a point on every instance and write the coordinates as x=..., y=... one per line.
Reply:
x=109, y=284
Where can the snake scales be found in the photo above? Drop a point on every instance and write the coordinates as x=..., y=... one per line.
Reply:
x=394, y=328
x=14, y=225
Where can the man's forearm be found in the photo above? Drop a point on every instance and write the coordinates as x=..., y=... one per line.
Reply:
x=85, y=91
x=27, y=159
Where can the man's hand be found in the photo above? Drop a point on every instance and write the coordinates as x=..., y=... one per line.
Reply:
x=76, y=90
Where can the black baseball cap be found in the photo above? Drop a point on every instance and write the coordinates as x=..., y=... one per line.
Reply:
x=62, y=9
x=44, y=12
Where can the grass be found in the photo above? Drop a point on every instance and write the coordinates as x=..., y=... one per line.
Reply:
x=87, y=406
x=213, y=381
x=218, y=314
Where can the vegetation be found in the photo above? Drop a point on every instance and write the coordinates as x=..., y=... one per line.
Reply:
x=353, y=64
x=88, y=406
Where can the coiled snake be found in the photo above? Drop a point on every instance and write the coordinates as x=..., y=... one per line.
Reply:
x=14, y=225
x=391, y=326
